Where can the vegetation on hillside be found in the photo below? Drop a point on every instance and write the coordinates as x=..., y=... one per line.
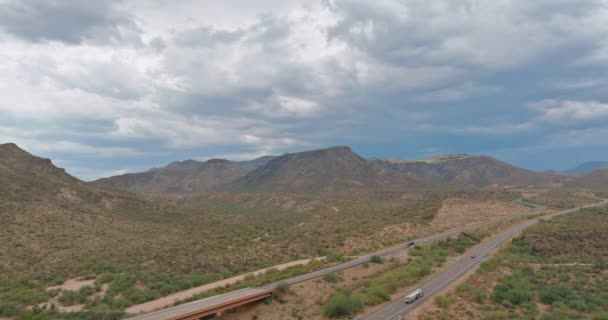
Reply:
x=562, y=198
x=554, y=270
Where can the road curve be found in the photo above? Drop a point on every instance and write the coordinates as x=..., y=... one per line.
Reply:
x=397, y=308
x=223, y=298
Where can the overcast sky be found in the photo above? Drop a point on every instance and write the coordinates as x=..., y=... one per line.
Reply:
x=106, y=87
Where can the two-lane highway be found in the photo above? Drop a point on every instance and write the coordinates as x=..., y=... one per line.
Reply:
x=398, y=308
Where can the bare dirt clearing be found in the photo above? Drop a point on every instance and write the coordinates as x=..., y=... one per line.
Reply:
x=74, y=284
x=456, y=212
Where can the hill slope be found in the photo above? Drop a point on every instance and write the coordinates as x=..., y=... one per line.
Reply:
x=588, y=167
x=333, y=168
x=184, y=176
x=49, y=218
x=597, y=179
x=470, y=171
x=250, y=165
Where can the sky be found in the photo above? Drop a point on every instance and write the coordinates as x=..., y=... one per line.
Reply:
x=112, y=86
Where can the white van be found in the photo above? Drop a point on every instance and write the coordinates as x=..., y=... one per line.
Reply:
x=413, y=296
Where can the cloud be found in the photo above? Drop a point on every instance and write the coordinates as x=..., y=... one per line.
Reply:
x=458, y=92
x=568, y=110
x=69, y=21
x=159, y=81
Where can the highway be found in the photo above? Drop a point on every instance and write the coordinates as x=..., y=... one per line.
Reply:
x=390, y=251
x=187, y=308
x=196, y=309
x=397, y=309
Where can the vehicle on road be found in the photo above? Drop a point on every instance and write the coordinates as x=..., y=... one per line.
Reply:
x=411, y=244
x=472, y=257
x=413, y=296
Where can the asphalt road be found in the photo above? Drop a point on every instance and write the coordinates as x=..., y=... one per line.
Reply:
x=227, y=297
x=198, y=305
x=397, y=308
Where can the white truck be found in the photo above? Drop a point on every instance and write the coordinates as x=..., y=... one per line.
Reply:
x=413, y=296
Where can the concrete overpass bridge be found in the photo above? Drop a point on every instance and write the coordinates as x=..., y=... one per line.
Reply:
x=212, y=306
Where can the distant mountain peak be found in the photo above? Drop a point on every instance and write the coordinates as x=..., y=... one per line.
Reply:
x=217, y=160
x=436, y=159
x=6, y=147
x=587, y=167
x=317, y=170
x=14, y=159
x=180, y=176
x=470, y=170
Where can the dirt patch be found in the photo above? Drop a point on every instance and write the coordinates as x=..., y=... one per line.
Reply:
x=456, y=212
x=187, y=294
x=73, y=284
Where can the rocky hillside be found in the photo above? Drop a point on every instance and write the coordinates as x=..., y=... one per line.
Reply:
x=50, y=220
x=587, y=167
x=597, y=179
x=471, y=171
x=250, y=165
x=334, y=168
x=184, y=176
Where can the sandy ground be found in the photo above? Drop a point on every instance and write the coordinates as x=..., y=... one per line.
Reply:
x=183, y=295
x=73, y=284
x=70, y=285
x=456, y=212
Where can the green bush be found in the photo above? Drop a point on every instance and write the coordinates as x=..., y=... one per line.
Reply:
x=443, y=301
x=376, y=259
x=463, y=287
x=514, y=290
x=331, y=277
x=480, y=296
x=371, y=296
x=335, y=257
x=341, y=304
x=496, y=315
x=87, y=290
x=70, y=298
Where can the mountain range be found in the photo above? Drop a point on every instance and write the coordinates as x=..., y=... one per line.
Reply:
x=48, y=217
x=587, y=167
x=471, y=171
x=336, y=168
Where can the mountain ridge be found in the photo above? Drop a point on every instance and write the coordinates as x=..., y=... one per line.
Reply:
x=470, y=171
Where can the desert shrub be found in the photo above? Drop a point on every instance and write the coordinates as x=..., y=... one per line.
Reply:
x=443, y=301
x=376, y=259
x=480, y=296
x=514, y=290
x=496, y=315
x=283, y=287
x=463, y=287
x=372, y=296
x=70, y=298
x=87, y=290
x=551, y=294
x=331, y=277
x=341, y=304
x=335, y=257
